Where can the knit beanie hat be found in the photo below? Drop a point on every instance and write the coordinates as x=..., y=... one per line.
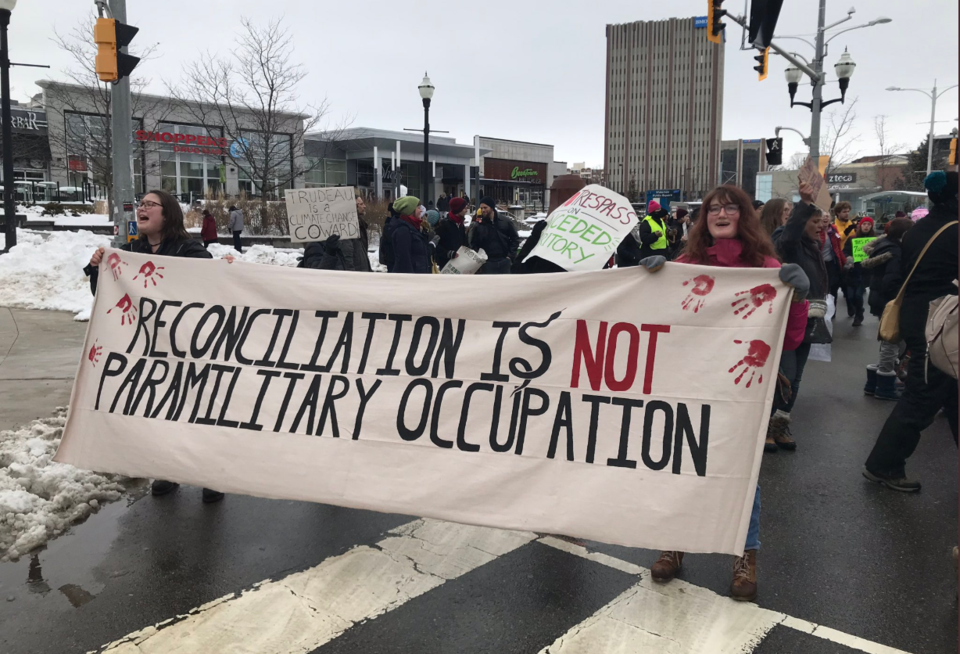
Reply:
x=433, y=217
x=867, y=219
x=941, y=186
x=490, y=202
x=681, y=213
x=457, y=205
x=653, y=206
x=407, y=205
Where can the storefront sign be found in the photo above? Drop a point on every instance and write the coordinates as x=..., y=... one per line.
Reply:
x=28, y=122
x=700, y=22
x=841, y=178
x=189, y=143
x=317, y=213
x=514, y=171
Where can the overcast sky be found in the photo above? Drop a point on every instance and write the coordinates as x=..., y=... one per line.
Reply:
x=529, y=71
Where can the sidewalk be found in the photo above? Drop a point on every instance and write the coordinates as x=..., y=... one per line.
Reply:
x=39, y=352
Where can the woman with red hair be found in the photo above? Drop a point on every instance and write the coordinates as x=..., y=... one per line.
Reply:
x=729, y=235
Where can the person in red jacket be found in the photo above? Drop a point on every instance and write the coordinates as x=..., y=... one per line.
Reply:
x=209, y=230
x=731, y=237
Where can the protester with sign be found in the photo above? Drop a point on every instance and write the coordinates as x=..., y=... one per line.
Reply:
x=853, y=286
x=798, y=242
x=337, y=254
x=411, y=252
x=731, y=236
x=928, y=389
x=235, y=225
x=885, y=276
x=496, y=236
x=451, y=230
x=208, y=232
x=162, y=233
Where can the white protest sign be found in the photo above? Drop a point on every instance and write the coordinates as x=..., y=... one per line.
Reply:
x=549, y=406
x=316, y=213
x=584, y=231
x=467, y=262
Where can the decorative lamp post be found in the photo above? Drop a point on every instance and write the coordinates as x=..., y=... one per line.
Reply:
x=9, y=210
x=844, y=69
x=426, y=93
x=793, y=75
x=933, y=95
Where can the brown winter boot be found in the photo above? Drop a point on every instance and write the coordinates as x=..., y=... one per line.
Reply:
x=667, y=566
x=779, y=431
x=744, y=585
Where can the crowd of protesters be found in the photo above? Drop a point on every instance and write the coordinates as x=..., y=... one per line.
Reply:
x=819, y=254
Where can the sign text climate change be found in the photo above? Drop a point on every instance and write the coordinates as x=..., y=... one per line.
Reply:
x=187, y=362
x=583, y=232
x=315, y=214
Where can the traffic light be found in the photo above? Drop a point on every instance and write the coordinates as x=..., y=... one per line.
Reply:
x=763, y=21
x=762, y=60
x=774, y=151
x=953, y=152
x=714, y=26
x=110, y=36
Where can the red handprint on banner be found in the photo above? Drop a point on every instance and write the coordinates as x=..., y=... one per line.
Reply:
x=128, y=311
x=95, y=351
x=115, y=263
x=753, y=300
x=702, y=285
x=752, y=362
x=149, y=271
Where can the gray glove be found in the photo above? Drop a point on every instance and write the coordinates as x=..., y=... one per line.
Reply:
x=654, y=263
x=792, y=275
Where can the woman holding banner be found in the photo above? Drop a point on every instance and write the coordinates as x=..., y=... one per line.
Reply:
x=162, y=232
x=731, y=237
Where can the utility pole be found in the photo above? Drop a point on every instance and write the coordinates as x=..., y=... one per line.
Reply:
x=121, y=125
x=817, y=82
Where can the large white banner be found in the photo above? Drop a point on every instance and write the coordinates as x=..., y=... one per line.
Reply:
x=617, y=405
x=583, y=232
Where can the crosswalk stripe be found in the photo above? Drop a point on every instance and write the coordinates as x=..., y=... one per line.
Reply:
x=680, y=618
x=304, y=610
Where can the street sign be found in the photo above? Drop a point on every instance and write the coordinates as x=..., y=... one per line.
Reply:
x=664, y=196
x=132, y=233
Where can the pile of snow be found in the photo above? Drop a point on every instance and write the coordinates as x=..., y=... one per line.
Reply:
x=45, y=271
x=40, y=499
x=265, y=254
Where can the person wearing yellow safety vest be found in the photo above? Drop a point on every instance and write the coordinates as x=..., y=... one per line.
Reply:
x=653, y=231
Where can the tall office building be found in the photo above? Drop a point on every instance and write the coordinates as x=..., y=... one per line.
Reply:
x=664, y=106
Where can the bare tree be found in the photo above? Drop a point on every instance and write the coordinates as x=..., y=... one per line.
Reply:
x=797, y=160
x=251, y=95
x=888, y=172
x=81, y=108
x=837, y=138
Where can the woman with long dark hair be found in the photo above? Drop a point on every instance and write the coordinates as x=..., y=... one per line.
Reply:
x=162, y=232
x=773, y=216
x=730, y=236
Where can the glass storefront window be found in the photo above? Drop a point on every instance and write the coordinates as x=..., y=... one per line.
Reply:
x=188, y=174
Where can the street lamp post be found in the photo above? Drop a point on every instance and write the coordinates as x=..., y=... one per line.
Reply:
x=814, y=70
x=9, y=210
x=933, y=95
x=426, y=93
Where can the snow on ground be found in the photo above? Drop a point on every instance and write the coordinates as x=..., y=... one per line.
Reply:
x=45, y=271
x=40, y=499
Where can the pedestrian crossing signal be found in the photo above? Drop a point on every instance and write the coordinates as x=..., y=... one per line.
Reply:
x=775, y=151
x=763, y=59
x=110, y=35
x=714, y=26
x=132, y=233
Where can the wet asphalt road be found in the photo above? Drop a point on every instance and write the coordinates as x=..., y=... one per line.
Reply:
x=836, y=551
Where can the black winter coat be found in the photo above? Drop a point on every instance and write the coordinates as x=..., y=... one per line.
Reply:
x=498, y=239
x=346, y=255
x=411, y=253
x=936, y=272
x=882, y=272
x=189, y=248
x=794, y=247
x=453, y=236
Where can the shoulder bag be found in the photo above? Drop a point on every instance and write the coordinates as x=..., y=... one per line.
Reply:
x=890, y=320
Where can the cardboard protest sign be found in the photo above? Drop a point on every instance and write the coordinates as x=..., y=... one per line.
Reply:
x=467, y=262
x=858, y=253
x=621, y=407
x=810, y=173
x=316, y=213
x=583, y=232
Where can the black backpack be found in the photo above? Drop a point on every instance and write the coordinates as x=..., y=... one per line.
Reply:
x=386, y=242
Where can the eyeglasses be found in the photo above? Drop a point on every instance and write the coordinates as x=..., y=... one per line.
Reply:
x=146, y=204
x=730, y=209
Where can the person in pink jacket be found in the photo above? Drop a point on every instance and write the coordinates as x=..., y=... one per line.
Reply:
x=729, y=235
